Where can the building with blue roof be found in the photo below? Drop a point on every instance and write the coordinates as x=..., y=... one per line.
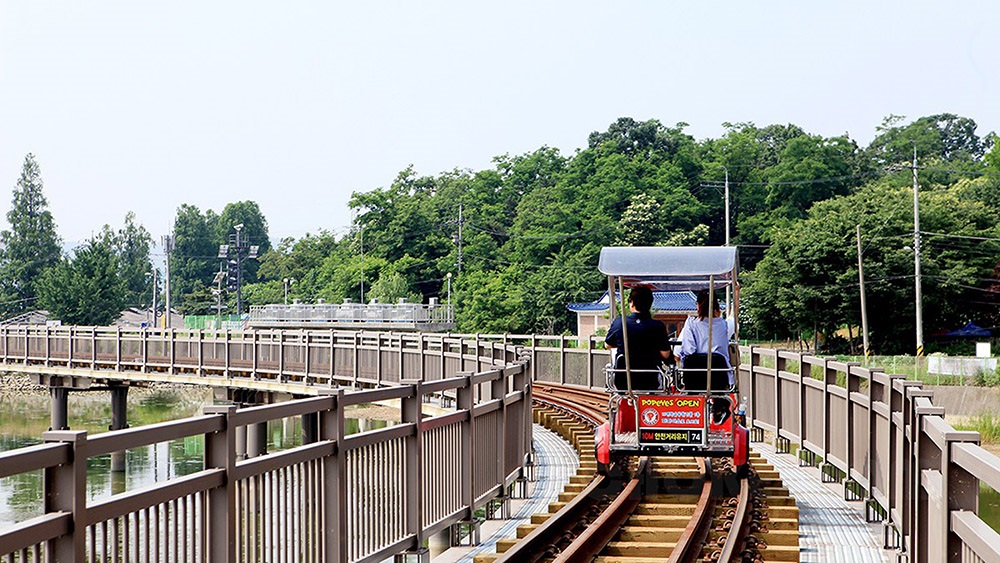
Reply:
x=671, y=307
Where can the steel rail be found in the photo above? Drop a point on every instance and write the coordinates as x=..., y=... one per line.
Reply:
x=535, y=546
x=738, y=533
x=593, y=416
x=602, y=530
x=688, y=545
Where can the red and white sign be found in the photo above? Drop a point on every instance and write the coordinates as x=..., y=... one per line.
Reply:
x=672, y=411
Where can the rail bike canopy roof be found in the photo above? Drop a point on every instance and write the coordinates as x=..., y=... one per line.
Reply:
x=672, y=268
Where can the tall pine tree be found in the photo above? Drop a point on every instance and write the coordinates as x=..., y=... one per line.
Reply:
x=30, y=247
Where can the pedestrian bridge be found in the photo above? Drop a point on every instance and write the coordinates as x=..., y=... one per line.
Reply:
x=372, y=495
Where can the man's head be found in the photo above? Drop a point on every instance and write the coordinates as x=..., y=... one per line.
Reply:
x=641, y=298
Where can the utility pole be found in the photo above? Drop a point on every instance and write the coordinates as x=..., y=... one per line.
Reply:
x=864, y=306
x=727, y=205
x=235, y=253
x=153, y=322
x=362, y=264
x=460, y=221
x=729, y=288
x=168, y=246
x=916, y=261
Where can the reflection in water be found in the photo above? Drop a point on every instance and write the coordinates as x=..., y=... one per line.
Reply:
x=989, y=507
x=23, y=419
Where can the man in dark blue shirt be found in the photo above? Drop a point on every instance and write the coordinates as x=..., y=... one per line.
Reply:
x=648, y=345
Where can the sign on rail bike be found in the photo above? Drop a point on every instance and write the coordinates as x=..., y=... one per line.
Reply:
x=671, y=419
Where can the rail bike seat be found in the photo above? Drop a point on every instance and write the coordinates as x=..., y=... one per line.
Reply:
x=693, y=374
x=647, y=379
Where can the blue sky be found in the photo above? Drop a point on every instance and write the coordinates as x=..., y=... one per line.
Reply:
x=144, y=106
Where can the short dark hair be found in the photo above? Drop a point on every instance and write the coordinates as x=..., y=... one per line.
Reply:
x=642, y=298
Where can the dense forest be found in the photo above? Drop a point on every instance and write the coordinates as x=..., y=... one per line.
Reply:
x=521, y=238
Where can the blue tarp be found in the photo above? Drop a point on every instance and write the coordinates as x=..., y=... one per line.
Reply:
x=971, y=330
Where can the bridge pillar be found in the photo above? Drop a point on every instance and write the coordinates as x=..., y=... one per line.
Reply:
x=439, y=542
x=241, y=443
x=256, y=439
x=119, y=420
x=60, y=408
x=310, y=428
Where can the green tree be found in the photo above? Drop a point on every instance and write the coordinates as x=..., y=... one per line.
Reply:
x=194, y=259
x=808, y=279
x=31, y=246
x=132, y=243
x=87, y=288
x=390, y=287
x=640, y=224
x=946, y=137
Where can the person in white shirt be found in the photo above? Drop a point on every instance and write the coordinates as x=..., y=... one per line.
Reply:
x=694, y=335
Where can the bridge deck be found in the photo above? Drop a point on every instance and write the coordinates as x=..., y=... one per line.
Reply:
x=555, y=462
x=831, y=529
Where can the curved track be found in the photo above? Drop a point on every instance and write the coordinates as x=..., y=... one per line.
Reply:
x=656, y=509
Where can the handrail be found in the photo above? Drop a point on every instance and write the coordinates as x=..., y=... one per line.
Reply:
x=234, y=501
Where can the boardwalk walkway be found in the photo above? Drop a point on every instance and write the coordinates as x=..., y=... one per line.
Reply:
x=555, y=462
x=831, y=530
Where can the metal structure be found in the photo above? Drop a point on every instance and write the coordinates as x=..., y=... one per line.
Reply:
x=877, y=433
x=362, y=497
x=432, y=317
x=687, y=409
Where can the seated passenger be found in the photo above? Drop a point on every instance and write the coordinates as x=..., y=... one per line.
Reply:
x=695, y=347
x=648, y=345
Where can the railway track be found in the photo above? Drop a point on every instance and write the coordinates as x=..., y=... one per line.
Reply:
x=672, y=509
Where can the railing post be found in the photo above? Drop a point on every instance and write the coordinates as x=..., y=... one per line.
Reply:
x=333, y=356
x=306, y=377
x=173, y=349
x=498, y=391
x=401, y=370
x=225, y=344
x=780, y=363
x=69, y=361
x=562, y=360
x=423, y=353
x=118, y=348
x=93, y=348
x=65, y=490
x=144, y=344
x=48, y=352
x=378, y=359
x=357, y=354
x=220, y=521
x=411, y=414
x=281, y=355
x=925, y=457
x=464, y=398
x=960, y=492
x=200, y=370
x=334, y=501
x=255, y=350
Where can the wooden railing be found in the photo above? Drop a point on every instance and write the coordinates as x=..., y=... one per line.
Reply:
x=337, y=497
x=877, y=433
x=883, y=438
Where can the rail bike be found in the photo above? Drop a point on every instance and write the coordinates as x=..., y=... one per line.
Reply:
x=688, y=408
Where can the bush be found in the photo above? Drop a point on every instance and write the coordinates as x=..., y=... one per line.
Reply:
x=986, y=378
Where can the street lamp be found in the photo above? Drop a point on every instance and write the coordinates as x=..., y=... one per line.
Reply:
x=288, y=282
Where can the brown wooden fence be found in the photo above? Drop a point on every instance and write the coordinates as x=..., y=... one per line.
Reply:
x=338, y=497
x=877, y=433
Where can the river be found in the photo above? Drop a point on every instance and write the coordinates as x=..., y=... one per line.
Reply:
x=25, y=416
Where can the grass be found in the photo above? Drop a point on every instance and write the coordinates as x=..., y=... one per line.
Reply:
x=987, y=425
